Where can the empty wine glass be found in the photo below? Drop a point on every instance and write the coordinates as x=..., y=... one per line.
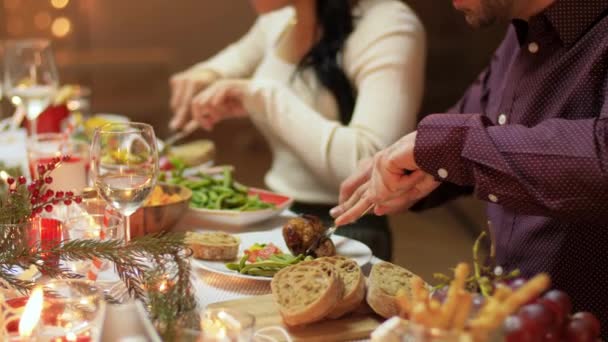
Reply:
x=30, y=75
x=124, y=166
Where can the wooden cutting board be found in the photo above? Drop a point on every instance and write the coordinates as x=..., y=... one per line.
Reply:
x=351, y=327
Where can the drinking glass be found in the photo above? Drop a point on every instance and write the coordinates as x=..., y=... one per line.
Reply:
x=71, y=174
x=74, y=311
x=100, y=227
x=124, y=166
x=30, y=75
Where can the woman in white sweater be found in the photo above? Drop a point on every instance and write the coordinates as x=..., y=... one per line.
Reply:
x=328, y=83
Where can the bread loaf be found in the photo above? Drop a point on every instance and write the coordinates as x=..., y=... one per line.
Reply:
x=385, y=280
x=306, y=292
x=213, y=245
x=354, y=285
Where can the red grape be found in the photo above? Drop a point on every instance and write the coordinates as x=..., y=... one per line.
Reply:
x=560, y=318
x=540, y=314
x=591, y=320
x=519, y=329
x=579, y=330
x=562, y=301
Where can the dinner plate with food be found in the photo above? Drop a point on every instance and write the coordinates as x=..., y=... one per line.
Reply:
x=260, y=255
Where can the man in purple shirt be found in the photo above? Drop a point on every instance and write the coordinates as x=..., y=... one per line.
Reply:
x=530, y=136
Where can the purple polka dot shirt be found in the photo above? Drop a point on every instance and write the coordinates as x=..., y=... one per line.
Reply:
x=535, y=147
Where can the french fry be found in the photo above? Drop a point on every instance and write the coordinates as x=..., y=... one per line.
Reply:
x=403, y=303
x=530, y=290
x=501, y=293
x=461, y=272
x=463, y=311
x=421, y=315
x=419, y=291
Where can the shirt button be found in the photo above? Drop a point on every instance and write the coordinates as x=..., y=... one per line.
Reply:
x=502, y=119
x=533, y=47
x=443, y=173
x=493, y=198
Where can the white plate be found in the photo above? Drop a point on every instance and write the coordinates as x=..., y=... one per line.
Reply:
x=344, y=246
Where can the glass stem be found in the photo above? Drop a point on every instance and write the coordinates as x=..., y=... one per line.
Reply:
x=33, y=127
x=127, y=228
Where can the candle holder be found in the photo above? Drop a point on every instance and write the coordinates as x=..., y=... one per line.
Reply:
x=225, y=325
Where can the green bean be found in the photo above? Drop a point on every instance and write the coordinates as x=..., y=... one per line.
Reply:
x=243, y=261
x=233, y=266
x=262, y=273
x=227, y=182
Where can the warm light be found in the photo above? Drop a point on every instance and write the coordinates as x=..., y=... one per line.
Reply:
x=59, y=3
x=4, y=175
x=16, y=100
x=61, y=27
x=71, y=336
x=42, y=20
x=214, y=328
x=163, y=286
x=31, y=313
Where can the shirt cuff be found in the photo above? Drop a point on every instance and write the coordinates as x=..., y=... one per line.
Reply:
x=440, y=140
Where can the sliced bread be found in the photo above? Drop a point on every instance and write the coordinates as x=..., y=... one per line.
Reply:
x=213, y=245
x=354, y=285
x=385, y=279
x=306, y=292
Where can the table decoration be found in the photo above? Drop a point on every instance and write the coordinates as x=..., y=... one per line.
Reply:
x=225, y=325
x=142, y=264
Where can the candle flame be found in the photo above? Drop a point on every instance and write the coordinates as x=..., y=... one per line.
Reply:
x=31, y=313
x=163, y=286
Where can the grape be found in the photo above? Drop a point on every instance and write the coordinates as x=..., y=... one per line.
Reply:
x=517, y=283
x=440, y=294
x=579, y=330
x=561, y=300
x=589, y=319
x=560, y=318
x=519, y=329
x=540, y=314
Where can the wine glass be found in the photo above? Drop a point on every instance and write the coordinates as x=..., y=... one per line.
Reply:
x=30, y=75
x=124, y=166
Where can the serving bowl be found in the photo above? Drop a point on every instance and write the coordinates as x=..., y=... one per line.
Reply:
x=149, y=219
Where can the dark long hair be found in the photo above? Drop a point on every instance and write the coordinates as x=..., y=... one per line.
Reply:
x=335, y=21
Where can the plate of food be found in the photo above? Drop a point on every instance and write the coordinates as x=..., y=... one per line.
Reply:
x=260, y=255
x=217, y=198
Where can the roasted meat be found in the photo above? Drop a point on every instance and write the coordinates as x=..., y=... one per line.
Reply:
x=301, y=232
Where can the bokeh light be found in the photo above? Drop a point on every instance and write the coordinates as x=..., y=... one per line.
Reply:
x=61, y=27
x=59, y=3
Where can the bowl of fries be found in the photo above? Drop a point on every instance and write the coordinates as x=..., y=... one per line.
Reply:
x=167, y=204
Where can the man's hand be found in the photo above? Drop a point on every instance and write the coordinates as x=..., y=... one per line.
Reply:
x=222, y=100
x=395, y=184
x=184, y=86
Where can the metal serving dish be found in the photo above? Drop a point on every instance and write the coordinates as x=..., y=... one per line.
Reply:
x=148, y=219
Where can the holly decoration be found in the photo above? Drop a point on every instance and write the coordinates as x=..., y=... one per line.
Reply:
x=24, y=201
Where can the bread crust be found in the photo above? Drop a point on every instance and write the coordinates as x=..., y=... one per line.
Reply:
x=308, y=274
x=354, y=285
x=385, y=280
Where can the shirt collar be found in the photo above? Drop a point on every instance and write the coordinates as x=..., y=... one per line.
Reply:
x=571, y=19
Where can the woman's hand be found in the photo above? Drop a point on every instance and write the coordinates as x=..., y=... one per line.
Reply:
x=184, y=86
x=222, y=100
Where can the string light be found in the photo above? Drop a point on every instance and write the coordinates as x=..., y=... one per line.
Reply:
x=59, y=4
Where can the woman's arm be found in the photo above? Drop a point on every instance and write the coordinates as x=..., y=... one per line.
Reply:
x=386, y=59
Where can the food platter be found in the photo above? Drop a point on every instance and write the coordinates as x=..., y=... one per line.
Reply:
x=344, y=246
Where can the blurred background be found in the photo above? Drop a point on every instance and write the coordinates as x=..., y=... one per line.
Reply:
x=125, y=51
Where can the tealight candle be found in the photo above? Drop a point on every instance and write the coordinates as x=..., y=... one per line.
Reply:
x=222, y=325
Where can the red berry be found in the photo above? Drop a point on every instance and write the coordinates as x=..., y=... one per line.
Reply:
x=36, y=192
x=13, y=191
x=78, y=199
x=49, y=193
x=59, y=194
x=34, y=200
x=67, y=202
x=66, y=158
x=41, y=169
x=50, y=166
x=22, y=180
x=69, y=194
x=55, y=202
x=591, y=320
x=48, y=208
x=56, y=160
x=38, y=210
x=10, y=180
x=48, y=180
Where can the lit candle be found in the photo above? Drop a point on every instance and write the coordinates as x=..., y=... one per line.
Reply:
x=219, y=325
x=31, y=314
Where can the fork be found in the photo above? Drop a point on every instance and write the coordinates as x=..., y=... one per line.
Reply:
x=328, y=233
x=186, y=131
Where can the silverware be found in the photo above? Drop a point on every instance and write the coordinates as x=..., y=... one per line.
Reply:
x=186, y=131
x=328, y=233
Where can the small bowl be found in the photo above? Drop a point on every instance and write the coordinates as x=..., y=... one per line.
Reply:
x=162, y=217
x=245, y=218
